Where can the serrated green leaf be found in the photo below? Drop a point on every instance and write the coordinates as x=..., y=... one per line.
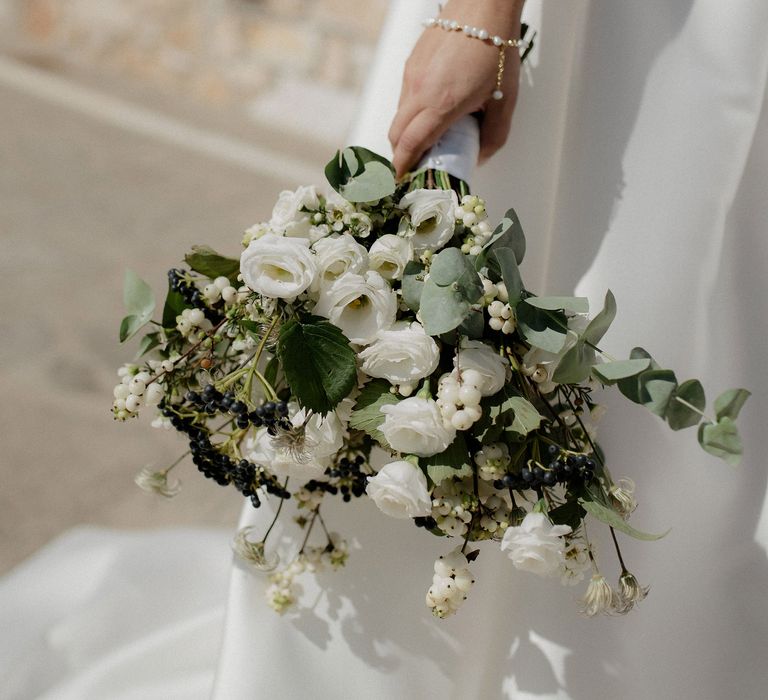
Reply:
x=722, y=440
x=453, y=461
x=612, y=518
x=367, y=415
x=576, y=305
x=612, y=372
x=149, y=342
x=679, y=415
x=729, y=403
x=542, y=328
x=208, y=262
x=360, y=175
x=570, y=513
x=413, y=284
x=318, y=363
x=527, y=418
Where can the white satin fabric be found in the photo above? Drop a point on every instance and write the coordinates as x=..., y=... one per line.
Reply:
x=637, y=162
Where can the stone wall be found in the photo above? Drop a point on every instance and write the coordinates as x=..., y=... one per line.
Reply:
x=221, y=51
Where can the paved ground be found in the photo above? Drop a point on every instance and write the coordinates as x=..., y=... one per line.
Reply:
x=83, y=195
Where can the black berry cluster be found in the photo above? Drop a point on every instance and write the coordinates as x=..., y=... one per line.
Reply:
x=271, y=414
x=427, y=522
x=569, y=470
x=346, y=476
x=245, y=476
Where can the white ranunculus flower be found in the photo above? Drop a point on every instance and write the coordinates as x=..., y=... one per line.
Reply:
x=415, y=426
x=399, y=489
x=290, y=205
x=359, y=305
x=476, y=355
x=389, y=255
x=279, y=267
x=536, y=545
x=404, y=354
x=337, y=255
x=432, y=218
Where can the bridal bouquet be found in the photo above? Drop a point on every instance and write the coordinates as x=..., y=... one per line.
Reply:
x=388, y=324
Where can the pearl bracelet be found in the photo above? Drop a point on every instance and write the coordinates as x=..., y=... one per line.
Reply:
x=484, y=36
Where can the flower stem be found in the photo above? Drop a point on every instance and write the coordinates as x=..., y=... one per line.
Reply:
x=618, y=551
x=277, y=515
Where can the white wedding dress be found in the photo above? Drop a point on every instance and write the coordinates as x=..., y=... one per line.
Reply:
x=637, y=162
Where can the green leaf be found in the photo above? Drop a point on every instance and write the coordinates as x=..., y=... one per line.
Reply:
x=612, y=372
x=612, y=518
x=360, y=175
x=630, y=386
x=576, y=305
x=174, y=305
x=540, y=327
x=656, y=389
x=473, y=325
x=270, y=371
x=570, y=513
x=452, y=287
x=208, y=262
x=318, y=362
x=503, y=262
x=139, y=302
x=527, y=418
x=722, y=440
x=413, y=284
x=367, y=415
x=600, y=323
x=576, y=364
x=679, y=415
x=453, y=461
x=729, y=403
x=509, y=234
x=149, y=342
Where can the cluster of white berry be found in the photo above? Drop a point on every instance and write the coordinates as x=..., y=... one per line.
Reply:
x=137, y=388
x=458, y=398
x=450, y=584
x=220, y=288
x=452, y=508
x=341, y=219
x=496, y=298
x=472, y=214
x=492, y=461
x=496, y=516
x=192, y=323
x=309, y=499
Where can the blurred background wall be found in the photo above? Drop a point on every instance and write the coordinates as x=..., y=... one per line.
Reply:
x=132, y=130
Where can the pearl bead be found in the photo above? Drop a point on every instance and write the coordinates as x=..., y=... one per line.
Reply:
x=498, y=94
x=497, y=40
x=454, y=25
x=482, y=34
x=467, y=30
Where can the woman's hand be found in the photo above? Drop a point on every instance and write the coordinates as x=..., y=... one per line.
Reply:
x=449, y=75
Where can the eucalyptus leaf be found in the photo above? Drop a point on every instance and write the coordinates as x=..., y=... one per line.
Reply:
x=729, y=403
x=679, y=415
x=576, y=364
x=542, y=328
x=656, y=389
x=612, y=518
x=447, y=267
x=722, y=440
x=576, y=305
x=413, y=284
x=630, y=386
x=367, y=415
x=360, y=175
x=149, y=342
x=208, y=262
x=442, y=309
x=139, y=302
x=612, y=372
x=600, y=323
x=503, y=262
x=318, y=362
x=473, y=325
x=509, y=234
x=130, y=325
